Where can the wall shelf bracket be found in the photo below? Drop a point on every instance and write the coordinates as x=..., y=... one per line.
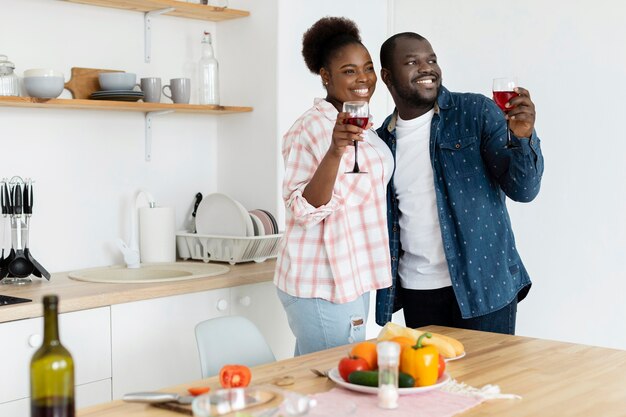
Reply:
x=148, y=144
x=147, y=25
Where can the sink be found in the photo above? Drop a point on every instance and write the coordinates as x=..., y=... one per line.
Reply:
x=146, y=273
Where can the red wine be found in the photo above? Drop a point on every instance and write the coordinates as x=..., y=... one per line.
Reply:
x=53, y=407
x=357, y=121
x=502, y=97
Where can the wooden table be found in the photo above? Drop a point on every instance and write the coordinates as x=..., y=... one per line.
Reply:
x=554, y=378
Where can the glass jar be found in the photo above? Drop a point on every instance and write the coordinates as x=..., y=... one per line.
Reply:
x=9, y=82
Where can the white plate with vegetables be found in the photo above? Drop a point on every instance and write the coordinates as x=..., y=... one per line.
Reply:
x=333, y=374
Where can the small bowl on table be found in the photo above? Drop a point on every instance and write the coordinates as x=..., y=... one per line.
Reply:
x=121, y=81
x=44, y=82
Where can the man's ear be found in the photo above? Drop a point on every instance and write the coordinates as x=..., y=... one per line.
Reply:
x=385, y=75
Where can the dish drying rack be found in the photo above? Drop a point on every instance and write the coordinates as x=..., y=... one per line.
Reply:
x=231, y=249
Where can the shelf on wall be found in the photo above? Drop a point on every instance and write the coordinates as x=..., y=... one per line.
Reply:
x=181, y=9
x=62, y=103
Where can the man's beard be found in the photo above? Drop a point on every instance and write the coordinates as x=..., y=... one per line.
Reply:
x=413, y=96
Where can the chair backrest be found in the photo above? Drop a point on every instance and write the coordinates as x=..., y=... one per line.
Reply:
x=230, y=340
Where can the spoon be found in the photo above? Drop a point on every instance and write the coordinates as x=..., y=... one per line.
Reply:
x=38, y=270
x=19, y=267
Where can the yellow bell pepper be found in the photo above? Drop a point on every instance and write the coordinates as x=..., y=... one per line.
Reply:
x=421, y=362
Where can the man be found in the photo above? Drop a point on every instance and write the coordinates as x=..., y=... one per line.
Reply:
x=454, y=260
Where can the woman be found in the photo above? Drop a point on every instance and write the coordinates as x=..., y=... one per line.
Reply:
x=335, y=247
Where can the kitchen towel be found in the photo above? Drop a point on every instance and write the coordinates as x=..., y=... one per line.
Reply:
x=436, y=403
x=450, y=400
x=157, y=234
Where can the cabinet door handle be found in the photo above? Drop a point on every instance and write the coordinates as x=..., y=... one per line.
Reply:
x=35, y=340
x=222, y=305
x=245, y=300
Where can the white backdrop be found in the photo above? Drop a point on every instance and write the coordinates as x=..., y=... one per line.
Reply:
x=570, y=56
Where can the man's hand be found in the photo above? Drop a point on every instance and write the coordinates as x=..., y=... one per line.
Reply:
x=521, y=117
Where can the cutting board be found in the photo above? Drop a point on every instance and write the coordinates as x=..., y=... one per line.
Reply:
x=84, y=81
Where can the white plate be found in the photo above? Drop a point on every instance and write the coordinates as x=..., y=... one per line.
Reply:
x=462, y=355
x=258, y=225
x=220, y=215
x=333, y=374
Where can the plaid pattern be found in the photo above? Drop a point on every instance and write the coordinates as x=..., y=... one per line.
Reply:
x=340, y=250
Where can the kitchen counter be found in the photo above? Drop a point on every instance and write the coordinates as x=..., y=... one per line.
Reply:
x=553, y=378
x=77, y=295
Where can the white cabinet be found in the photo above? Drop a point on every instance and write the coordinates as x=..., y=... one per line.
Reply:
x=153, y=341
x=154, y=344
x=260, y=303
x=86, y=334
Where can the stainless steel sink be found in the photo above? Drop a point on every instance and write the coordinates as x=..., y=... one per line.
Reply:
x=161, y=272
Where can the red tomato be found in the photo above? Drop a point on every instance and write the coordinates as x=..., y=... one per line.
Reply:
x=442, y=366
x=350, y=364
x=198, y=390
x=235, y=376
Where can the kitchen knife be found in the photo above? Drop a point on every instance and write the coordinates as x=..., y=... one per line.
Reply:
x=157, y=397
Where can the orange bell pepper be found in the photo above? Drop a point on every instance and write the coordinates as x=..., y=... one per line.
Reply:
x=235, y=376
x=421, y=362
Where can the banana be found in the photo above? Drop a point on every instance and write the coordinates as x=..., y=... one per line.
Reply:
x=448, y=346
x=456, y=344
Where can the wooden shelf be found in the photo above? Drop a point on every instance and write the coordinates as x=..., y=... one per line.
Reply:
x=62, y=103
x=181, y=9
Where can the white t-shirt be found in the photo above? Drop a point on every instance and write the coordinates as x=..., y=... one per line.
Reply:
x=423, y=264
x=384, y=152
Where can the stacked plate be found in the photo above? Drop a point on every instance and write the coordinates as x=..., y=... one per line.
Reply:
x=220, y=215
x=117, y=95
x=266, y=223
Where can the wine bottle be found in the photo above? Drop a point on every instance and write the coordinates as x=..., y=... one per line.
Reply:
x=208, y=75
x=51, y=369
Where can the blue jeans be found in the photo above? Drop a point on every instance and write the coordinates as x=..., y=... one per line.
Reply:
x=319, y=324
x=440, y=307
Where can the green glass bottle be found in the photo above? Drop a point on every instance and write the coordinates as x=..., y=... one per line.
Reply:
x=51, y=369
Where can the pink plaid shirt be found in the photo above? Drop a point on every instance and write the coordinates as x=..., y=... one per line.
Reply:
x=340, y=250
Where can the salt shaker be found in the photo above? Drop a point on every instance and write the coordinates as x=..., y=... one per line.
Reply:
x=388, y=363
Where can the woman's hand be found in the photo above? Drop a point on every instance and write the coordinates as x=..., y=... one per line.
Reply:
x=344, y=135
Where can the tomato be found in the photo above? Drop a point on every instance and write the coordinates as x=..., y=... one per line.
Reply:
x=235, y=376
x=350, y=364
x=198, y=390
x=442, y=366
x=367, y=351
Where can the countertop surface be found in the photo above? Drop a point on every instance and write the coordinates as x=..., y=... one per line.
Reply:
x=553, y=378
x=77, y=295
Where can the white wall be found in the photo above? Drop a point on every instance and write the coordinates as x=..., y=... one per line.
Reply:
x=89, y=164
x=569, y=54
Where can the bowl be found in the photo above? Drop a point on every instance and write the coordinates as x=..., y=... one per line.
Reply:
x=117, y=80
x=43, y=83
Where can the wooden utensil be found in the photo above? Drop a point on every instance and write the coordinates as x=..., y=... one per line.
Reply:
x=84, y=81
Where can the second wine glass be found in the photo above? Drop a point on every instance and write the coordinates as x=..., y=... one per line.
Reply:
x=359, y=116
x=503, y=91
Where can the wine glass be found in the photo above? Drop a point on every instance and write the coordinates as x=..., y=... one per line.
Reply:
x=359, y=116
x=503, y=91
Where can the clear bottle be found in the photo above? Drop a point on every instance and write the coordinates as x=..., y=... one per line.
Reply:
x=208, y=74
x=52, y=369
x=388, y=364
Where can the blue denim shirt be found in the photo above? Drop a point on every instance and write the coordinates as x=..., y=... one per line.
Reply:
x=474, y=174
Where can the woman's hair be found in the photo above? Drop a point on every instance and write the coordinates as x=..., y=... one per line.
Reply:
x=324, y=38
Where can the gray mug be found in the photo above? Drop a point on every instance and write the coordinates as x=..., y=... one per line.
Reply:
x=151, y=87
x=180, y=89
